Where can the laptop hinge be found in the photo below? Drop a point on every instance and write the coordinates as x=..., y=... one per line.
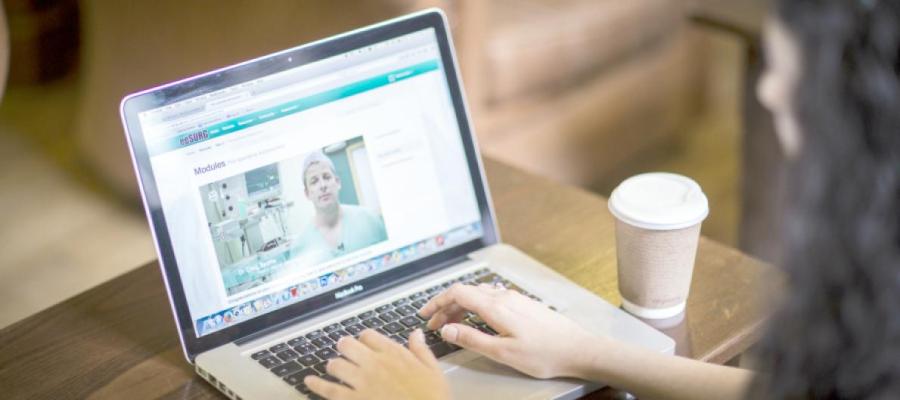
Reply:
x=369, y=293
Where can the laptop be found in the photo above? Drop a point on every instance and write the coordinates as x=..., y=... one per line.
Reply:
x=325, y=189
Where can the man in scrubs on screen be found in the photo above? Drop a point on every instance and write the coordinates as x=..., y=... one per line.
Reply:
x=336, y=229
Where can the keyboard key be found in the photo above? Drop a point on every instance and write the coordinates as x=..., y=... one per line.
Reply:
x=487, y=279
x=331, y=328
x=315, y=334
x=373, y=323
x=418, y=304
x=286, y=368
x=366, y=315
x=355, y=329
x=287, y=355
x=326, y=353
x=398, y=339
x=322, y=342
x=382, y=331
x=417, y=296
x=308, y=360
x=350, y=321
x=405, y=334
x=487, y=329
x=331, y=378
x=269, y=362
x=303, y=389
x=411, y=321
x=260, y=354
x=405, y=310
x=297, y=378
x=383, y=308
x=320, y=367
x=279, y=348
x=297, y=341
x=305, y=348
x=432, y=338
x=400, y=302
x=389, y=316
x=393, y=327
x=512, y=286
x=442, y=349
x=336, y=335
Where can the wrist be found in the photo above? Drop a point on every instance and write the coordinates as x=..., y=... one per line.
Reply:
x=585, y=358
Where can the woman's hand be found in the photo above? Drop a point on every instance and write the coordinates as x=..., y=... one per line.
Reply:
x=532, y=338
x=376, y=367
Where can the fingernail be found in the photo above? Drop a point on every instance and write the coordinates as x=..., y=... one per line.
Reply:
x=418, y=335
x=449, y=333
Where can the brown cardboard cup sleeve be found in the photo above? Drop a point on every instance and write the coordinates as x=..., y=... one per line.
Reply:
x=658, y=219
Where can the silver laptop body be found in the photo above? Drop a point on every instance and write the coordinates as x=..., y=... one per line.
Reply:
x=242, y=170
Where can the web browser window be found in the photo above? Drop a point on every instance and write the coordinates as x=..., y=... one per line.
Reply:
x=304, y=181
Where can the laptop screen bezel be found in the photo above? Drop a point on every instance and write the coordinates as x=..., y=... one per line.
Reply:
x=263, y=66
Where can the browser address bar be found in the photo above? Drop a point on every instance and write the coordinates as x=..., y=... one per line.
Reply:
x=245, y=102
x=238, y=104
x=290, y=91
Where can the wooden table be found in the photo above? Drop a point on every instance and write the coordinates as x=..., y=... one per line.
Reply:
x=118, y=340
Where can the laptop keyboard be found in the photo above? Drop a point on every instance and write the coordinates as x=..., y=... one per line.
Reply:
x=307, y=354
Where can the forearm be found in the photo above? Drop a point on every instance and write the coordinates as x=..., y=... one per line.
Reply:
x=651, y=375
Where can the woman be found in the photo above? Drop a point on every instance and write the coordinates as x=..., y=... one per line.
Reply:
x=833, y=85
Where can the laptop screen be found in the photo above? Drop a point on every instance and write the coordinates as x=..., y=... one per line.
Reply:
x=309, y=179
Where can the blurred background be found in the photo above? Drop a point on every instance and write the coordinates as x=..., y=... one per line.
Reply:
x=584, y=92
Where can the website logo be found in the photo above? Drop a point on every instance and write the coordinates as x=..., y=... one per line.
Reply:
x=194, y=137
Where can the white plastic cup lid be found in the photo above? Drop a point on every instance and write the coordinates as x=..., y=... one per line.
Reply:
x=659, y=201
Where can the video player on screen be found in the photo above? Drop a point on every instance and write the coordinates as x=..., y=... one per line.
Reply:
x=336, y=228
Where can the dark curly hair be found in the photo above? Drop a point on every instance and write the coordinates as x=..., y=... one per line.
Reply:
x=837, y=334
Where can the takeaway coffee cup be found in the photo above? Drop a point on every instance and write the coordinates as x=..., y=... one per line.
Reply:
x=658, y=217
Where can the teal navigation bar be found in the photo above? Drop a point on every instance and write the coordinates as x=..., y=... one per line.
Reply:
x=292, y=107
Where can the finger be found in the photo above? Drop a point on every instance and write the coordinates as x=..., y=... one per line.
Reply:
x=377, y=342
x=442, y=300
x=473, y=339
x=437, y=320
x=354, y=351
x=471, y=298
x=420, y=349
x=493, y=290
x=328, y=390
x=344, y=370
x=429, y=308
x=452, y=313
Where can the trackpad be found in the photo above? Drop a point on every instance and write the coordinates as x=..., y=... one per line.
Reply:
x=482, y=378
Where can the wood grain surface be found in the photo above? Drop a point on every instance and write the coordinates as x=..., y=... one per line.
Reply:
x=118, y=340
